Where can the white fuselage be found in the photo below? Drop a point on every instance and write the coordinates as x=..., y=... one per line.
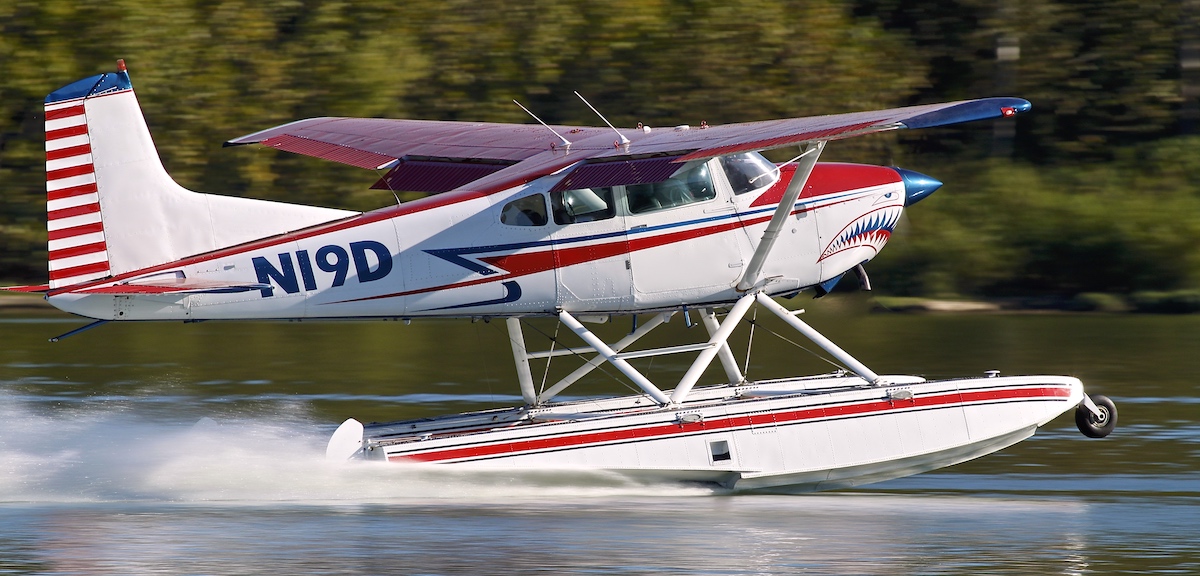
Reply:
x=454, y=255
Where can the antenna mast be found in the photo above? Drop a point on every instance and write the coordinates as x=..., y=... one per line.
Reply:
x=565, y=142
x=624, y=140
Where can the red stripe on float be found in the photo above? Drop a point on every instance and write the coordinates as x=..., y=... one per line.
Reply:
x=861, y=408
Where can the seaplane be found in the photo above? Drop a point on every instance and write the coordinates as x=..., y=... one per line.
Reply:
x=572, y=224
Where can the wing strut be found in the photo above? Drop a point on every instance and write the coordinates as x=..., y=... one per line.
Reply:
x=804, y=167
x=800, y=326
x=597, y=360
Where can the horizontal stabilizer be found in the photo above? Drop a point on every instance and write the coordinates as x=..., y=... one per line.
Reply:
x=43, y=288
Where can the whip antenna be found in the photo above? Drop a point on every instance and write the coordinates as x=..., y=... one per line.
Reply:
x=560, y=136
x=624, y=140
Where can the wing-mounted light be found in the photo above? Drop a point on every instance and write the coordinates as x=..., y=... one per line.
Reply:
x=968, y=111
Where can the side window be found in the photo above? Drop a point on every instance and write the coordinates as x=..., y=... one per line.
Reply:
x=527, y=211
x=748, y=171
x=582, y=205
x=694, y=185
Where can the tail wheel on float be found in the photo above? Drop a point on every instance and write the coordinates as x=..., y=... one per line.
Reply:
x=1096, y=425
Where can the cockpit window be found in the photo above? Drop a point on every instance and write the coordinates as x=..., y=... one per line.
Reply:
x=527, y=211
x=693, y=185
x=582, y=205
x=748, y=171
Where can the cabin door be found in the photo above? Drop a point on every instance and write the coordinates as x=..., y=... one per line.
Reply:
x=591, y=253
x=684, y=236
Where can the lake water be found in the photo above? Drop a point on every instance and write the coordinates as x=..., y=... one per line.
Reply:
x=106, y=466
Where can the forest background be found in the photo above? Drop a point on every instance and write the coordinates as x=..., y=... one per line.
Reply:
x=1092, y=199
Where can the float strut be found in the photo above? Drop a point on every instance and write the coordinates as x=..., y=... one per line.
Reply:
x=716, y=342
x=825, y=344
x=610, y=355
x=597, y=360
x=724, y=354
x=524, y=377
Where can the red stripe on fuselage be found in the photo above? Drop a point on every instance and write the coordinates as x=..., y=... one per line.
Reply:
x=524, y=264
x=740, y=421
x=533, y=262
x=828, y=178
x=645, y=243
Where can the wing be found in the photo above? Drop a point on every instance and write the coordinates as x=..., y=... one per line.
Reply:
x=422, y=155
x=430, y=156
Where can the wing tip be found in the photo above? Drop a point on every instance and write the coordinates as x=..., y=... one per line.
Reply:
x=968, y=111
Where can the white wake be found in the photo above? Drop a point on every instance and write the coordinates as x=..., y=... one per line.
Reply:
x=100, y=454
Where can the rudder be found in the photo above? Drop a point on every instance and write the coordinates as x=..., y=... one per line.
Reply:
x=77, y=248
x=111, y=206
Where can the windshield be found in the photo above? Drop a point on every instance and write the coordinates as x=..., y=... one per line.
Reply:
x=748, y=171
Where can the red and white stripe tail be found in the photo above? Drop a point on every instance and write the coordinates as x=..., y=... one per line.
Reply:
x=112, y=207
x=78, y=251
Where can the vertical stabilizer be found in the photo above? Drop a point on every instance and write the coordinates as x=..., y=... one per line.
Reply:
x=78, y=251
x=112, y=207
